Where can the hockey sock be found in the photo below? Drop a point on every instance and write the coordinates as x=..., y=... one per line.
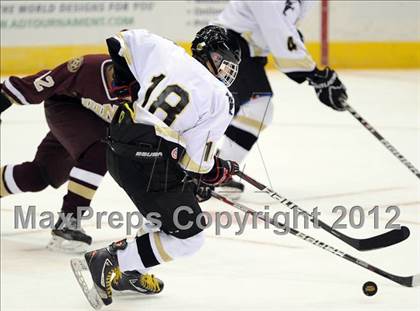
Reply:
x=85, y=178
x=25, y=177
x=245, y=128
x=154, y=248
x=236, y=144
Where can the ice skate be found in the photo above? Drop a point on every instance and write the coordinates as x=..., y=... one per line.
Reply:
x=69, y=238
x=103, y=267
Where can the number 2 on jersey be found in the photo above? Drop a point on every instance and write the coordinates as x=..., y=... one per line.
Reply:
x=171, y=110
x=43, y=81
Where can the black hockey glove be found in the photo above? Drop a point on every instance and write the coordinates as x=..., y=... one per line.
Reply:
x=4, y=101
x=222, y=170
x=203, y=192
x=328, y=88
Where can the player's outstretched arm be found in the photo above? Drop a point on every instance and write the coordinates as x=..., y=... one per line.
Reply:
x=292, y=58
x=34, y=89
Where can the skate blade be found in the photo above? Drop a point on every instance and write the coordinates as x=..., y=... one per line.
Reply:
x=91, y=294
x=130, y=293
x=62, y=245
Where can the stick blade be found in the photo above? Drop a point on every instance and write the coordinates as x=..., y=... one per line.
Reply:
x=384, y=240
x=416, y=281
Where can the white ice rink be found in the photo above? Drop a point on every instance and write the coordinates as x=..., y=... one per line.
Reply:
x=314, y=155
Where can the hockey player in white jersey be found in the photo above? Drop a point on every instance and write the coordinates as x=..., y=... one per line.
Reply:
x=264, y=27
x=158, y=145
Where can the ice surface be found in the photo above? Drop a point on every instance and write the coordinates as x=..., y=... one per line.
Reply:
x=315, y=156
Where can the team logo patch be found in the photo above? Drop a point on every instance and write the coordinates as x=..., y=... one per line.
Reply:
x=74, y=64
x=174, y=153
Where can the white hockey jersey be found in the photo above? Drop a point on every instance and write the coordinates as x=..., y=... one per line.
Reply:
x=178, y=96
x=270, y=26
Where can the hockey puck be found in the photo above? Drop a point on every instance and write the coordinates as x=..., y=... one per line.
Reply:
x=370, y=288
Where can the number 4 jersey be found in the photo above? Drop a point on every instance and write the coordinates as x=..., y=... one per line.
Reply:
x=184, y=102
x=271, y=26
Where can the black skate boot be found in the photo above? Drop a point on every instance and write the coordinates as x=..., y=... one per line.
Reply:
x=67, y=237
x=133, y=282
x=103, y=267
x=231, y=189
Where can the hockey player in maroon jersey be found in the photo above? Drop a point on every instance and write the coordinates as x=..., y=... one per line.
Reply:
x=72, y=150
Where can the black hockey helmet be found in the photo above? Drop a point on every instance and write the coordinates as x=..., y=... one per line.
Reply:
x=215, y=46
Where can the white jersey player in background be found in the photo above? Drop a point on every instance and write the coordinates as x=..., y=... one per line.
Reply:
x=264, y=27
x=158, y=144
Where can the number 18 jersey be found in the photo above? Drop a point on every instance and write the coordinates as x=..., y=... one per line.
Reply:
x=184, y=102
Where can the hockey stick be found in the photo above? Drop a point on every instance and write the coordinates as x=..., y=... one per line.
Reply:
x=383, y=240
x=384, y=142
x=409, y=281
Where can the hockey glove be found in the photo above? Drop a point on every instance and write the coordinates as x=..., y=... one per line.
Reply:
x=203, y=192
x=222, y=170
x=125, y=92
x=4, y=102
x=328, y=88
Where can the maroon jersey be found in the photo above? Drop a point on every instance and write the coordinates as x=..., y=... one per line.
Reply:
x=83, y=79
